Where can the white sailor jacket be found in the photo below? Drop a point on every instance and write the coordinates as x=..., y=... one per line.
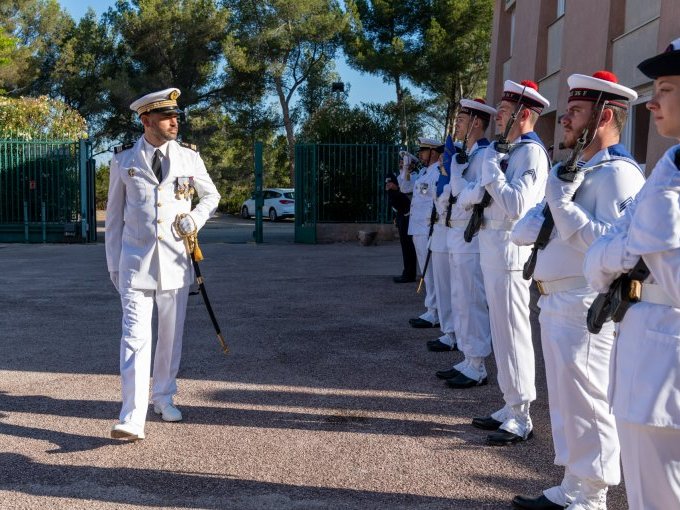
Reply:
x=141, y=241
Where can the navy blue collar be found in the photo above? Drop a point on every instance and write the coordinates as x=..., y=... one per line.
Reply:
x=531, y=135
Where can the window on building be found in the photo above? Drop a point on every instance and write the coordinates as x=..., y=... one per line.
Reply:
x=636, y=131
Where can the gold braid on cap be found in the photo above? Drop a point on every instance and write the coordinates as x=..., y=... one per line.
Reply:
x=157, y=104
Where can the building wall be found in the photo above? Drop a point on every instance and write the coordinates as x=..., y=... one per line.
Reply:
x=547, y=46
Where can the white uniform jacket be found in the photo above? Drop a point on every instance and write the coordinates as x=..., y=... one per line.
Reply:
x=141, y=242
x=459, y=215
x=424, y=190
x=514, y=192
x=611, y=181
x=645, y=387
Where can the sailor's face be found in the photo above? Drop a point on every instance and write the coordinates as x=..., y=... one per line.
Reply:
x=503, y=114
x=424, y=156
x=461, y=126
x=574, y=121
x=665, y=106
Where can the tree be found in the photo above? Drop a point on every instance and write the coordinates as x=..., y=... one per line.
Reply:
x=36, y=118
x=455, y=56
x=384, y=39
x=159, y=45
x=283, y=42
x=37, y=28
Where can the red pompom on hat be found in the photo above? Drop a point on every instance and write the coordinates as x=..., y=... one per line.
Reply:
x=606, y=75
x=530, y=84
x=479, y=100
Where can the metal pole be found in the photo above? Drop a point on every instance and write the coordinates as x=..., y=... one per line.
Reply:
x=82, y=151
x=44, y=222
x=259, y=199
x=25, y=221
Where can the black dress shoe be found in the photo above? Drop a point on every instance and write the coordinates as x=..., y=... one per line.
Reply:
x=421, y=323
x=539, y=503
x=486, y=423
x=439, y=346
x=462, y=381
x=404, y=279
x=448, y=374
x=505, y=438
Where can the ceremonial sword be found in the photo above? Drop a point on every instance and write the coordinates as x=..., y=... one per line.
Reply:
x=191, y=242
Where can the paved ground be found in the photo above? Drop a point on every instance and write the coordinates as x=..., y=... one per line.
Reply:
x=327, y=400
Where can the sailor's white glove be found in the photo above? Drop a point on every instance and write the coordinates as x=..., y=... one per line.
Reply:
x=187, y=224
x=442, y=201
x=114, y=275
x=558, y=191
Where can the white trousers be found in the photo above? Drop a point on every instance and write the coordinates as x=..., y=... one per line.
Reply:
x=507, y=294
x=442, y=287
x=468, y=301
x=577, y=372
x=135, y=349
x=651, y=465
x=420, y=242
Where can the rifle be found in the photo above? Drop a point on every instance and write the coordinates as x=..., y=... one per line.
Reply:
x=461, y=159
x=433, y=219
x=613, y=304
x=503, y=147
x=566, y=172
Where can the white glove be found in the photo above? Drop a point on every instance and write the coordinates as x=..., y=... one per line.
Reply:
x=187, y=224
x=526, y=230
x=457, y=169
x=114, y=275
x=443, y=200
x=617, y=258
x=559, y=191
x=491, y=168
x=470, y=196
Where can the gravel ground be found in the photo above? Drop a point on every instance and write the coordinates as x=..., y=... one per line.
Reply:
x=327, y=400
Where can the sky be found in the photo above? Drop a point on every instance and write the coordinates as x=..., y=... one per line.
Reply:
x=364, y=88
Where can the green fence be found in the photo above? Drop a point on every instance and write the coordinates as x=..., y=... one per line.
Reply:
x=47, y=191
x=341, y=183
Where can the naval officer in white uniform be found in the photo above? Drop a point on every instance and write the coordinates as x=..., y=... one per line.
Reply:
x=151, y=183
x=576, y=361
x=645, y=385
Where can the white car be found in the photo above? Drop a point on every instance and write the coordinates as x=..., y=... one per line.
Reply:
x=278, y=203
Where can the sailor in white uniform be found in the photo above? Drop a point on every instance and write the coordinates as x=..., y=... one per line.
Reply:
x=151, y=183
x=467, y=285
x=577, y=362
x=422, y=202
x=645, y=385
x=515, y=182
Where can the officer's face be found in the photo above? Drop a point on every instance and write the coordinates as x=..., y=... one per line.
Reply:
x=461, y=126
x=424, y=156
x=665, y=106
x=574, y=121
x=503, y=113
x=162, y=126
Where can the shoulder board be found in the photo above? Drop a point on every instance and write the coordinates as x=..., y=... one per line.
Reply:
x=122, y=148
x=191, y=146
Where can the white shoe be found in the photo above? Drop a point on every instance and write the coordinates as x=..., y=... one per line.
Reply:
x=126, y=431
x=168, y=413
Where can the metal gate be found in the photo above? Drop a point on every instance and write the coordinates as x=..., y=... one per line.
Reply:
x=341, y=183
x=47, y=191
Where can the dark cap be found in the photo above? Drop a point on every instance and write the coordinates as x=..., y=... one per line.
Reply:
x=664, y=64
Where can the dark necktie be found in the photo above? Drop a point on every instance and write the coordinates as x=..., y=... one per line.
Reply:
x=156, y=165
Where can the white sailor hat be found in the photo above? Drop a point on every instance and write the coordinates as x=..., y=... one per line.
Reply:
x=663, y=64
x=528, y=91
x=603, y=86
x=477, y=107
x=429, y=143
x=163, y=101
